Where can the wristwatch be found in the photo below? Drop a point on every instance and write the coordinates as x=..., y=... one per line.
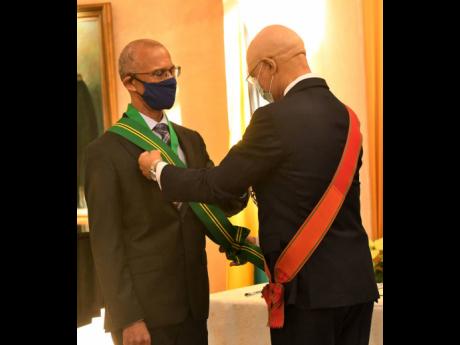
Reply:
x=153, y=169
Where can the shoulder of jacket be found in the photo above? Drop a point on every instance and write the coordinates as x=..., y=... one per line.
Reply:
x=105, y=144
x=188, y=131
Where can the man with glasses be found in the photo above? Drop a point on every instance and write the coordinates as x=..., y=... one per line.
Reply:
x=149, y=253
x=323, y=288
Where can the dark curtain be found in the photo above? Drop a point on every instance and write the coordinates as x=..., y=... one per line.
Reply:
x=87, y=129
x=89, y=298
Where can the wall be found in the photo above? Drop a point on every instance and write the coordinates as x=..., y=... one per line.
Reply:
x=340, y=59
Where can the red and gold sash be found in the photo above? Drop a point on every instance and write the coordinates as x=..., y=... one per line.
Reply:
x=315, y=227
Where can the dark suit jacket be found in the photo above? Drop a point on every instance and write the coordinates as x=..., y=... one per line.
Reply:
x=289, y=154
x=150, y=258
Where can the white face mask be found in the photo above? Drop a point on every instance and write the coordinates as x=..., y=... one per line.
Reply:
x=267, y=95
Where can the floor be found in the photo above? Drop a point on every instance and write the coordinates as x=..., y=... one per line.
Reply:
x=94, y=334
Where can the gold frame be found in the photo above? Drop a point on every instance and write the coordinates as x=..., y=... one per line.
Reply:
x=103, y=12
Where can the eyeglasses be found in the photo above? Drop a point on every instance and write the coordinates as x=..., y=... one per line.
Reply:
x=250, y=79
x=163, y=73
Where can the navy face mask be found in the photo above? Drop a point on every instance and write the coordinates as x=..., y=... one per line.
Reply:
x=160, y=95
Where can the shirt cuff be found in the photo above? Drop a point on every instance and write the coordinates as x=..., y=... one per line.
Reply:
x=158, y=171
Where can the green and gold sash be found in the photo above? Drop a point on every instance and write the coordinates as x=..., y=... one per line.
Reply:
x=218, y=227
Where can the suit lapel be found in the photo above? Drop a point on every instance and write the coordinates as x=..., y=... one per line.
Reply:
x=131, y=148
x=185, y=143
x=187, y=146
x=190, y=153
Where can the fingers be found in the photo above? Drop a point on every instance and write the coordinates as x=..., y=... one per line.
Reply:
x=136, y=334
x=147, y=175
x=145, y=161
x=138, y=341
x=143, y=157
x=234, y=263
x=252, y=240
x=222, y=250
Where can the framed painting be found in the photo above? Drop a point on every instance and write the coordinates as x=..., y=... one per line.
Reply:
x=96, y=87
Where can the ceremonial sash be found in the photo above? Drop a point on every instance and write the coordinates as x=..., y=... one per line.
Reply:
x=218, y=227
x=315, y=227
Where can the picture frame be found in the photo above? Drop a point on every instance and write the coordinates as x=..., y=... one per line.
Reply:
x=96, y=86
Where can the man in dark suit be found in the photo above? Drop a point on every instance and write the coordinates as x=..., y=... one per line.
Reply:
x=149, y=253
x=289, y=154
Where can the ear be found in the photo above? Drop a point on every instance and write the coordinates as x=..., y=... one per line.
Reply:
x=271, y=64
x=128, y=83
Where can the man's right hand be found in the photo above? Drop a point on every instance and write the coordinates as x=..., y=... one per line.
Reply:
x=250, y=239
x=136, y=334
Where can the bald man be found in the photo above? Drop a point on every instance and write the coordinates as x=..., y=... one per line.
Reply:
x=289, y=153
x=149, y=253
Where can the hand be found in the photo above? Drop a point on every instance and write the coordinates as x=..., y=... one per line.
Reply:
x=136, y=334
x=145, y=161
x=250, y=239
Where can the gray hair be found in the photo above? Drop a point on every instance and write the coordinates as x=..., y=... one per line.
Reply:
x=127, y=62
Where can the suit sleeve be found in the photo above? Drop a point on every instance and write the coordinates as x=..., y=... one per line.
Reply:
x=104, y=209
x=229, y=206
x=247, y=162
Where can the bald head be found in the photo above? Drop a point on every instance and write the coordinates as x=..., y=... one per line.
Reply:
x=131, y=57
x=280, y=53
x=274, y=41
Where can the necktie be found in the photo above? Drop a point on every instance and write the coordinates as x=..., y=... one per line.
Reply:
x=163, y=130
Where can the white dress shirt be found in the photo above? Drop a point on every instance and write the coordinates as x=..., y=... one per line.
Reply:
x=152, y=123
x=298, y=79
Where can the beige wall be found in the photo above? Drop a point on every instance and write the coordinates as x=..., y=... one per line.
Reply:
x=193, y=33
x=340, y=60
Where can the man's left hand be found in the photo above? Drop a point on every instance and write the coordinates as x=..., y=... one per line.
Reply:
x=146, y=160
x=251, y=239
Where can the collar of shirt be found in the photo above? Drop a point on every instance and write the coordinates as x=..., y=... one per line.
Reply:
x=152, y=123
x=298, y=79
